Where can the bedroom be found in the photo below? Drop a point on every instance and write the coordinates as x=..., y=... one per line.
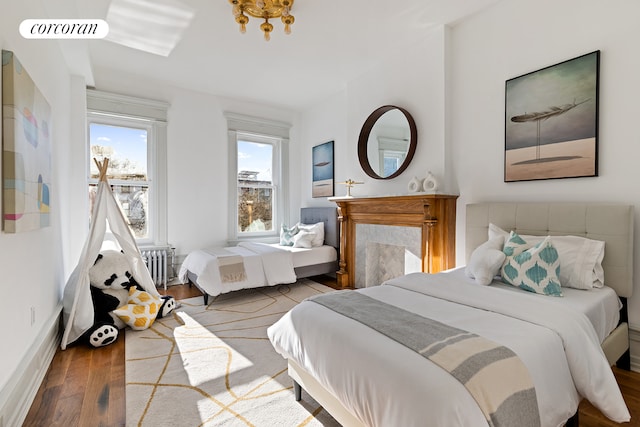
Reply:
x=452, y=82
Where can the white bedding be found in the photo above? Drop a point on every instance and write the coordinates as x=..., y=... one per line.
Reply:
x=600, y=305
x=310, y=256
x=265, y=265
x=384, y=383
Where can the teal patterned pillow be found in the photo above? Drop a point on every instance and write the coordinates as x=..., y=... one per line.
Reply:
x=515, y=244
x=287, y=233
x=535, y=269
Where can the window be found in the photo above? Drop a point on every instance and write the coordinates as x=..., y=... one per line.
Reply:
x=392, y=153
x=126, y=147
x=135, y=143
x=392, y=161
x=258, y=180
x=257, y=192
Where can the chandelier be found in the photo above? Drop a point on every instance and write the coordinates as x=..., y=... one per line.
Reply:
x=264, y=9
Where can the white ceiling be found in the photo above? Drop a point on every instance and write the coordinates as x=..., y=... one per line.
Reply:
x=332, y=42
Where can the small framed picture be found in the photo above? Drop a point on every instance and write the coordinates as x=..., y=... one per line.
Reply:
x=323, y=170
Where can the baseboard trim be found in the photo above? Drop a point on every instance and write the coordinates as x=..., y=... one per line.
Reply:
x=18, y=394
x=634, y=345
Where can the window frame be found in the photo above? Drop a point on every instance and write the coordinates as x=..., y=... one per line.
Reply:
x=275, y=185
x=264, y=131
x=124, y=111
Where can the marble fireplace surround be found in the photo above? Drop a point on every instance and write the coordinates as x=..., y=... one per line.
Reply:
x=384, y=252
x=434, y=216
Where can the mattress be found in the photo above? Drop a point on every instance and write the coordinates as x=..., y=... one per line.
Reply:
x=310, y=256
x=600, y=305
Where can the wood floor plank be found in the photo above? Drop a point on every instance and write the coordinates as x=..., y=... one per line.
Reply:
x=95, y=404
x=117, y=398
x=44, y=406
x=86, y=386
x=58, y=369
x=67, y=413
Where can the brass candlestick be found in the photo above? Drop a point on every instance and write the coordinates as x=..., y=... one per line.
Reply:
x=350, y=183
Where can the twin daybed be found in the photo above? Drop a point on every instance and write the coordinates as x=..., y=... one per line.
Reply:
x=469, y=355
x=217, y=271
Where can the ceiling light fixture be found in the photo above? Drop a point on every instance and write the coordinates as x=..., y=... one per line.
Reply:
x=264, y=9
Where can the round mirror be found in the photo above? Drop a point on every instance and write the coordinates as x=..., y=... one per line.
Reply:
x=387, y=142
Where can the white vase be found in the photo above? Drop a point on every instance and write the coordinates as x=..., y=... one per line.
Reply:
x=430, y=184
x=414, y=185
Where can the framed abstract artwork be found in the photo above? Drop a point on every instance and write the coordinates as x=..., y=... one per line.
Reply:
x=26, y=150
x=551, y=121
x=322, y=166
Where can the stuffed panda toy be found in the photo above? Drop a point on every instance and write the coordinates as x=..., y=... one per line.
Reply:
x=110, y=280
x=168, y=304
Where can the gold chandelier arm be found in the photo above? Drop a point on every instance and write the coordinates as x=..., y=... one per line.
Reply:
x=287, y=20
x=242, y=20
x=265, y=9
x=266, y=28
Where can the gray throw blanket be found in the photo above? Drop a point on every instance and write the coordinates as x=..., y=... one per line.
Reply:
x=493, y=374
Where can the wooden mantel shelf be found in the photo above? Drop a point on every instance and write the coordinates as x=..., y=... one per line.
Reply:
x=435, y=214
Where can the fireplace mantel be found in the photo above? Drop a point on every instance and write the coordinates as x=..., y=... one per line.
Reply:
x=434, y=214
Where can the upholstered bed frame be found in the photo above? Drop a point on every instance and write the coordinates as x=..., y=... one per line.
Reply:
x=610, y=223
x=329, y=216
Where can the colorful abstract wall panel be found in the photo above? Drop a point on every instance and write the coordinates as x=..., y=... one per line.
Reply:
x=26, y=150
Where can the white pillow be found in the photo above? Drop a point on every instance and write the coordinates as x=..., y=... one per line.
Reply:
x=581, y=261
x=486, y=260
x=495, y=231
x=304, y=239
x=318, y=229
x=535, y=269
x=580, y=258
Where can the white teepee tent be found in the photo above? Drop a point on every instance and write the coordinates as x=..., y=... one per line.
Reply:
x=78, y=307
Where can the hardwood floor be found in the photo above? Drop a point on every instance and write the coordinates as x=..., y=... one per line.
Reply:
x=86, y=386
x=629, y=382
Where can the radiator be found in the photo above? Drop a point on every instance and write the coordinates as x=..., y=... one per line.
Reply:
x=159, y=260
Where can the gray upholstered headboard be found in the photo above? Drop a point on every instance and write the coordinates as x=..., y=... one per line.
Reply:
x=328, y=215
x=610, y=223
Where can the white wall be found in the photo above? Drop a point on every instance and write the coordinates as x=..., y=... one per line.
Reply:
x=32, y=263
x=322, y=123
x=197, y=152
x=414, y=78
x=519, y=36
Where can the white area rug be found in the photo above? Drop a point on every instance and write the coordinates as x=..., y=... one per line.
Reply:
x=214, y=365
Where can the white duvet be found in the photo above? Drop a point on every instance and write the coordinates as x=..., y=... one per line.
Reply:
x=383, y=383
x=264, y=265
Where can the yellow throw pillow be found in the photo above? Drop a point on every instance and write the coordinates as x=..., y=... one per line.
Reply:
x=141, y=297
x=140, y=311
x=138, y=317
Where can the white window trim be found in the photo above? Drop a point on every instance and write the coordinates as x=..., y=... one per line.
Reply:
x=241, y=124
x=109, y=108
